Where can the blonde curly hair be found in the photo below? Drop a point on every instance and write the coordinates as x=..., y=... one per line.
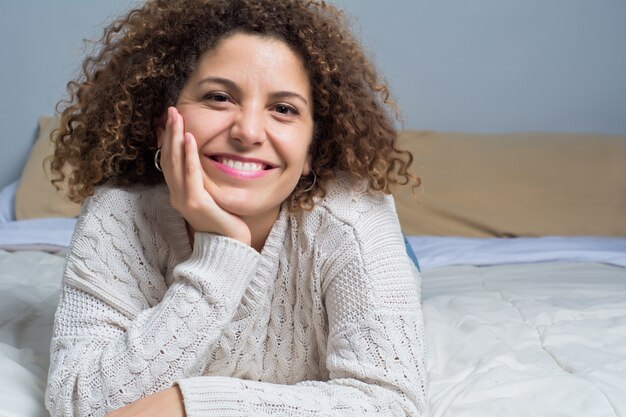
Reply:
x=107, y=132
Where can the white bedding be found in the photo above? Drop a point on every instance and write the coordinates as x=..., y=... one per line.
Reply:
x=518, y=339
x=49, y=234
x=544, y=339
x=435, y=252
x=29, y=291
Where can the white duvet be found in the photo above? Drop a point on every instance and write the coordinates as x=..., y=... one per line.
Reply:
x=544, y=339
x=535, y=339
x=29, y=291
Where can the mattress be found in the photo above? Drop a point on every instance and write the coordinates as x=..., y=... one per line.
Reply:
x=510, y=331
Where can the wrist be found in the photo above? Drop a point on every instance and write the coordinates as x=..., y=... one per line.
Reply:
x=242, y=234
x=177, y=399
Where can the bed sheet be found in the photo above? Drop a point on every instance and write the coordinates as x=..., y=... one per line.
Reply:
x=29, y=292
x=537, y=339
x=436, y=252
x=46, y=234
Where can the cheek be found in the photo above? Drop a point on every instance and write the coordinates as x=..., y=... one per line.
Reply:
x=294, y=150
x=294, y=141
x=203, y=123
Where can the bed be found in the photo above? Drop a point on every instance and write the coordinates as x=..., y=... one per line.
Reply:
x=521, y=242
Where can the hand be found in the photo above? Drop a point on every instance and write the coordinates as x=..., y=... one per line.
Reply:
x=184, y=177
x=167, y=403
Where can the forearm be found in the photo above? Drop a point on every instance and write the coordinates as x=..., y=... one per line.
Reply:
x=370, y=374
x=110, y=360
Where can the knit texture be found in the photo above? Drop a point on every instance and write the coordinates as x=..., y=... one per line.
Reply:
x=325, y=321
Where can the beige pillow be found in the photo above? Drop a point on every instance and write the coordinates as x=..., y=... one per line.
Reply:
x=36, y=197
x=525, y=184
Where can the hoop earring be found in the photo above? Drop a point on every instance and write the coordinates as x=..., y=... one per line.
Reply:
x=157, y=160
x=310, y=187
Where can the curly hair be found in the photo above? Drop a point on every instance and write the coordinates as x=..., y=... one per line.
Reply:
x=107, y=132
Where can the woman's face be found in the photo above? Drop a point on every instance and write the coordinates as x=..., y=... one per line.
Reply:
x=249, y=105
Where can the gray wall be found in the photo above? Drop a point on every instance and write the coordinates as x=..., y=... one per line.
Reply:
x=453, y=65
x=41, y=49
x=502, y=65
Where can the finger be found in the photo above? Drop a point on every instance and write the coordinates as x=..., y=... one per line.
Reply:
x=173, y=152
x=176, y=151
x=193, y=168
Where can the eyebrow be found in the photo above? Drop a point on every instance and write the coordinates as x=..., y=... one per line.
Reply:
x=289, y=94
x=232, y=85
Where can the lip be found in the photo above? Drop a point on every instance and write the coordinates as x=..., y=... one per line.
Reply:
x=234, y=173
x=241, y=159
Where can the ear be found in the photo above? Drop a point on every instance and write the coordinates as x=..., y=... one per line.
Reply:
x=159, y=127
x=306, y=168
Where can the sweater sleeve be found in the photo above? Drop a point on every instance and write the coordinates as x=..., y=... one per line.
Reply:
x=112, y=342
x=375, y=348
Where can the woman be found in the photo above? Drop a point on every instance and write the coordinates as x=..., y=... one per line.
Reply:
x=237, y=254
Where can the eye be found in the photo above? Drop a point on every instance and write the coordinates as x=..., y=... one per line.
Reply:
x=217, y=97
x=285, y=109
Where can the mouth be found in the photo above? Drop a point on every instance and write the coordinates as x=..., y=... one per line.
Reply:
x=239, y=166
x=242, y=164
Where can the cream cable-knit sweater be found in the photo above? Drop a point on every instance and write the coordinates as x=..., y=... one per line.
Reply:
x=325, y=321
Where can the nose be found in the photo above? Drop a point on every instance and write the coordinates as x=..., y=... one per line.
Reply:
x=248, y=128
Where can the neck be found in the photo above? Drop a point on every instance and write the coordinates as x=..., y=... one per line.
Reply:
x=260, y=226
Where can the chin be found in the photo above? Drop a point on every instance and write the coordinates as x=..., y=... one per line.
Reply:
x=246, y=202
x=240, y=210
x=239, y=204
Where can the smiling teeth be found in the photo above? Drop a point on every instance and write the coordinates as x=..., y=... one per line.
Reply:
x=241, y=166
